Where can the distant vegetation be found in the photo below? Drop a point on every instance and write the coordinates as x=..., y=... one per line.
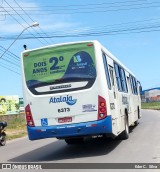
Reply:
x=16, y=126
x=151, y=105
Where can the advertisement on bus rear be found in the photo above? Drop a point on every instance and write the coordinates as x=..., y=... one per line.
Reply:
x=58, y=65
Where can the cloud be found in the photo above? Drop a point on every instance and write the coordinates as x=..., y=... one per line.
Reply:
x=8, y=19
x=60, y=26
x=51, y=23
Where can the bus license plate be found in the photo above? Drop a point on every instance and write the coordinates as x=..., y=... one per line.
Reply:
x=64, y=120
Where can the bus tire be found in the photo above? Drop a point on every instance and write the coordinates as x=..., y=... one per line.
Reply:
x=125, y=134
x=74, y=141
x=136, y=122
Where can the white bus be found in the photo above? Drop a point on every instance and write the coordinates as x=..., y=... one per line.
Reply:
x=79, y=89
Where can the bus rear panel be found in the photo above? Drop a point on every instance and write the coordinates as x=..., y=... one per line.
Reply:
x=60, y=92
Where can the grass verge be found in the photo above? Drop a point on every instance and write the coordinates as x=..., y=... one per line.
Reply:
x=11, y=136
x=151, y=105
x=16, y=126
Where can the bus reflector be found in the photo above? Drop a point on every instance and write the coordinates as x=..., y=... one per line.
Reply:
x=29, y=117
x=90, y=45
x=102, y=108
x=26, y=55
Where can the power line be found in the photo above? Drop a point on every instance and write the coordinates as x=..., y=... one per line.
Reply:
x=127, y=26
x=9, y=53
x=15, y=61
x=22, y=19
x=9, y=69
x=31, y=19
x=91, y=12
x=101, y=7
x=141, y=6
x=139, y=23
x=114, y=32
x=118, y=25
x=18, y=22
x=11, y=62
x=11, y=58
x=81, y=5
x=100, y=32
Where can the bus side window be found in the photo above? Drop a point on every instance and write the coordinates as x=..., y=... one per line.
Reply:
x=139, y=88
x=111, y=75
x=118, y=77
x=133, y=85
x=121, y=78
x=131, y=82
x=123, y=81
x=106, y=70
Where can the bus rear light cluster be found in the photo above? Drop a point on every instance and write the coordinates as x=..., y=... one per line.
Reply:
x=102, y=108
x=29, y=117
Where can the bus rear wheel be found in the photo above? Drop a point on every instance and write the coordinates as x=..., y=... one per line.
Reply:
x=74, y=141
x=125, y=134
x=136, y=123
x=138, y=114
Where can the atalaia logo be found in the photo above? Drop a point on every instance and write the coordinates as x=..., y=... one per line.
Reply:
x=68, y=99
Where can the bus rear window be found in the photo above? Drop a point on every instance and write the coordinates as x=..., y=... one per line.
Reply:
x=60, y=69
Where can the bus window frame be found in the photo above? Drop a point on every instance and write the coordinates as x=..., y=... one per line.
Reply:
x=105, y=65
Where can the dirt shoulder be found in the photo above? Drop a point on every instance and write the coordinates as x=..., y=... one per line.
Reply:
x=16, y=126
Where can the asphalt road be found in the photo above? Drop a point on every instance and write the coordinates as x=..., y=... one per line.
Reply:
x=143, y=146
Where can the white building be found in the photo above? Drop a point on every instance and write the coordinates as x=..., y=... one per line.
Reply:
x=152, y=95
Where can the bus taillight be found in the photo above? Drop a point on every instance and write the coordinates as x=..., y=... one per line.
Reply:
x=29, y=117
x=102, y=108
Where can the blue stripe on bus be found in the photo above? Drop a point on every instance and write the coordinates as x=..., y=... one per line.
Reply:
x=71, y=130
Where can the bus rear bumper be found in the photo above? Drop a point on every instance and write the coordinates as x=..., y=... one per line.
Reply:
x=71, y=130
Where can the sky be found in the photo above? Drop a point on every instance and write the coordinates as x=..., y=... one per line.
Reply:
x=129, y=29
